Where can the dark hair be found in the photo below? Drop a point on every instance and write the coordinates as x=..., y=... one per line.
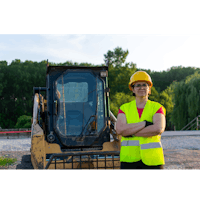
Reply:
x=133, y=87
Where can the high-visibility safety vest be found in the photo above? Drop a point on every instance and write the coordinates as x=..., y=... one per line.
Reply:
x=147, y=149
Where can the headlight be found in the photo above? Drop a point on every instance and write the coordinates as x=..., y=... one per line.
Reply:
x=104, y=73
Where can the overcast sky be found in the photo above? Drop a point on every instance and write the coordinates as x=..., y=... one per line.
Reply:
x=155, y=52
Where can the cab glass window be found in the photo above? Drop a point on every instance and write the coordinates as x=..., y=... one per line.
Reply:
x=77, y=99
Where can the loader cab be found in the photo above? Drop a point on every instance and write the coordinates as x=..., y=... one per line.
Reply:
x=78, y=106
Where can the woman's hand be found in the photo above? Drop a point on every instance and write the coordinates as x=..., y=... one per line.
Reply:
x=158, y=127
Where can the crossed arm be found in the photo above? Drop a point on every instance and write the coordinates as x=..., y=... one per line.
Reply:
x=139, y=129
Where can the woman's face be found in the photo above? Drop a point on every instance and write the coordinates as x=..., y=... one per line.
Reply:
x=141, y=89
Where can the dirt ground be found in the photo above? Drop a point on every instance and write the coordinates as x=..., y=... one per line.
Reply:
x=182, y=159
x=174, y=159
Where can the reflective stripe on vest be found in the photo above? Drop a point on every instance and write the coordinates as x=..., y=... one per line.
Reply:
x=130, y=143
x=151, y=145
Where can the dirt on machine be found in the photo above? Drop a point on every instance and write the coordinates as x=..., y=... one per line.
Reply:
x=72, y=125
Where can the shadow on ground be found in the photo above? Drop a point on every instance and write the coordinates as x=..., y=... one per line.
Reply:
x=25, y=163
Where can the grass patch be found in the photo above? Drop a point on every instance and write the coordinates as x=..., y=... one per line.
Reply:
x=7, y=161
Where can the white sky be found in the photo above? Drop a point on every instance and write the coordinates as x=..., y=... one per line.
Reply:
x=153, y=52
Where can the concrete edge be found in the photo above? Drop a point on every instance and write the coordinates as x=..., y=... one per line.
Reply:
x=15, y=135
x=164, y=134
x=180, y=133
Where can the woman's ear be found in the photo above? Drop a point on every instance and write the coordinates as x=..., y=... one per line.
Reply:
x=149, y=90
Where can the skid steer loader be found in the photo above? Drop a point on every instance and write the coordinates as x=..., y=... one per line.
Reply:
x=72, y=125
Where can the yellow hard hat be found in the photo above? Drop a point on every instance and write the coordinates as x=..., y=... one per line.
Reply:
x=140, y=76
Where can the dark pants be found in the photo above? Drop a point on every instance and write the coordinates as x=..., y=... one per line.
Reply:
x=139, y=165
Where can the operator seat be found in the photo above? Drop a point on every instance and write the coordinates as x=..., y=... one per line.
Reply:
x=77, y=115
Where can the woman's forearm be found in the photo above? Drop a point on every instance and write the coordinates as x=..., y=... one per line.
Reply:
x=130, y=129
x=148, y=131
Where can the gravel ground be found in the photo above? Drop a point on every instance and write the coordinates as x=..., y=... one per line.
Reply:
x=181, y=152
x=170, y=142
x=17, y=148
x=182, y=159
x=181, y=142
x=15, y=144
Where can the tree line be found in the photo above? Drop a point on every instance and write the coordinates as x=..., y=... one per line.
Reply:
x=177, y=89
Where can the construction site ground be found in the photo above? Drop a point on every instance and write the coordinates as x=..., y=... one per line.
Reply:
x=174, y=159
x=181, y=150
x=182, y=159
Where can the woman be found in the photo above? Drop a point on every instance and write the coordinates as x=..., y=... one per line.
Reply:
x=140, y=124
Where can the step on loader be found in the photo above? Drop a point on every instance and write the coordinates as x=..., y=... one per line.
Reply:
x=72, y=125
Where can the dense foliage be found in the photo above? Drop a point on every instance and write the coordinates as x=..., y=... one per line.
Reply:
x=17, y=82
x=177, y=89
x=186, y=99
x=23, y=121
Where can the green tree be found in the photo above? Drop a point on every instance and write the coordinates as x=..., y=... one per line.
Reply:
x=23, y=121
x=119, y=72
x=163, y=79
x=186, y=99
x=118, y=99
x=166, y=101
x=117, y=57
x=154, y=96
x=18, y=81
